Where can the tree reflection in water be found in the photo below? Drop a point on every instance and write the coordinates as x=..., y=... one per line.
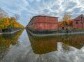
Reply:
x=6, y=40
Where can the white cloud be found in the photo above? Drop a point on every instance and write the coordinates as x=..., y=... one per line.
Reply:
x=29, y=8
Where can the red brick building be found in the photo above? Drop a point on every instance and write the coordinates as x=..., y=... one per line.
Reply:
x=78, y=22
x=44, y=23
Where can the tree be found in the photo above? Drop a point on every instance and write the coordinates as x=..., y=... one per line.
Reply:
x=9, y=22
x=67, y=19
x=16, y=16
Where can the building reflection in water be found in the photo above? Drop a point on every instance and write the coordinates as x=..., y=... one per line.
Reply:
x=45, y=44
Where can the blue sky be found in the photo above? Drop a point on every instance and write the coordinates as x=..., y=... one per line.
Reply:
x=26, y=9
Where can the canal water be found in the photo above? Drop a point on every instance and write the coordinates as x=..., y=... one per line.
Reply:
x=18, y=48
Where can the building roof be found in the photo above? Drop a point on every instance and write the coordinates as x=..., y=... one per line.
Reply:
x=80, y=17
x=45, y=16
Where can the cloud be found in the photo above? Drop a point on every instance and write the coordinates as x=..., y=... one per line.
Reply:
x=26, y=9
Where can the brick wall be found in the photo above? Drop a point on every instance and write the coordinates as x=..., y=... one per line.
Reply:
x=78, y=22
x=45, y=23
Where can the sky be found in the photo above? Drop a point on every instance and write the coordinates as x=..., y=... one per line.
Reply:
x=26, y=9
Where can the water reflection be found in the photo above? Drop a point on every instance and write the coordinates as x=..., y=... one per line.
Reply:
x=22, y=51
x=41, y=45
x=76, y=41
x=46, y=44
x=7, y=40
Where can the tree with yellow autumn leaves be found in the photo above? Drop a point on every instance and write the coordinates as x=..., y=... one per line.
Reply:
x=9, y=22
x=67, y=21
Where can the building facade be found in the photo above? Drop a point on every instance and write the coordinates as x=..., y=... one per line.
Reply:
x=42, y=23
x=78, y=22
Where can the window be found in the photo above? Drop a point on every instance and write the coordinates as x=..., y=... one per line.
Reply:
x=76, y=22
x=63, y=28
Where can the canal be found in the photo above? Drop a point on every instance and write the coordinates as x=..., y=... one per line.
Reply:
x=23, y=47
